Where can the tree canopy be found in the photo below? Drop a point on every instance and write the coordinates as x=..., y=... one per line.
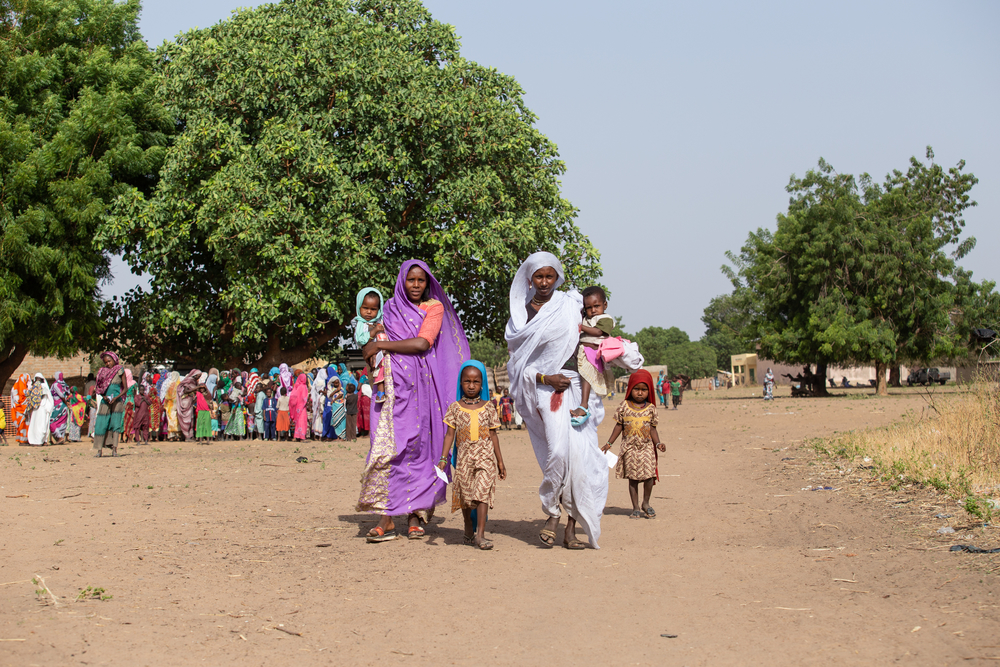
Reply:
x=725, y=318
x=79, y=125
x=321, y=143
x=858, y=272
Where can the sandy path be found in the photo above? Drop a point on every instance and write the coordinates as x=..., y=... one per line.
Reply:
x=742, y=564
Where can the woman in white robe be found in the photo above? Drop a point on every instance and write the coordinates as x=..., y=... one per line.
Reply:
x=38, y=427
x=542, y=336
x=317, y=393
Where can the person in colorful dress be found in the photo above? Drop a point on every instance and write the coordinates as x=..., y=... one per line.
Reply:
x=77, y=405
x=110, y=388
x=472, y=422
x=635, y=420
x=769, y=385
x=506, y=409
x=19, y=407
x=427, y=345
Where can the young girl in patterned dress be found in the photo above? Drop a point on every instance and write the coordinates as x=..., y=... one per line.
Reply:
x=472, y=425
x=636, y=419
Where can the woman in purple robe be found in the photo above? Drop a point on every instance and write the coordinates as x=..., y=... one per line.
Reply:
x=426, y=348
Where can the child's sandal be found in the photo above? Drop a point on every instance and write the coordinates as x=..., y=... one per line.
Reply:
x=650, y=513
x=636, y=514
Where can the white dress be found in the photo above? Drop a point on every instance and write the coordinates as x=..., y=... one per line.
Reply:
x=574, y=470
x=38, y=427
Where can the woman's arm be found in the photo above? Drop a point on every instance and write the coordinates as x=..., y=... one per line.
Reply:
x=449, y=437
x=407, y=346
x=558, y=382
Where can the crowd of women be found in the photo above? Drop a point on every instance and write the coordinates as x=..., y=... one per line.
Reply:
x=329, y=403
x=429, y=392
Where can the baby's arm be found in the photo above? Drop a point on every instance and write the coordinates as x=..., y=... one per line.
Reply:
x=592, y=331
x=501, y=469
x=614, y=436
x=655, y=437
x=449, y=438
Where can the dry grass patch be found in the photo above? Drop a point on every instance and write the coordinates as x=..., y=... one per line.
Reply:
x=953, y=445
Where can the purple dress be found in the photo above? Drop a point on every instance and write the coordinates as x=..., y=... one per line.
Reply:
x=408, y=428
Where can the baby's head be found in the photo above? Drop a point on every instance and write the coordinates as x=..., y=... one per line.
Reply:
x=595, y=301
x=370, y=306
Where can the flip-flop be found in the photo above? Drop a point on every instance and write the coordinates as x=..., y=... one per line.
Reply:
x=650, y=513
x=548, y=537
x=380, y=535
x=468, y=541
x=415, y=532
x=574, y=545
x=484, y=545
x=636, y=514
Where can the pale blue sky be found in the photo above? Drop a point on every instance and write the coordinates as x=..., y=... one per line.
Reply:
x=680, y=123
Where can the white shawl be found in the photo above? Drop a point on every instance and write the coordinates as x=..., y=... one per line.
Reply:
x=317, y=392
x=38, y=427
x=573, y=468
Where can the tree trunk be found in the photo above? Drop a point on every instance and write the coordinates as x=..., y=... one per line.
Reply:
x=10, y=359
x=894, y=380
x=880, y=387
x=274, y=355
x=819, y=381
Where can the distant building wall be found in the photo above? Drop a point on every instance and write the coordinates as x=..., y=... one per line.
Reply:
x=73, y=367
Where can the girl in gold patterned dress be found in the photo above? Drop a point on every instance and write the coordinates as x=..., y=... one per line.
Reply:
x=472, y=423
x=636, y=418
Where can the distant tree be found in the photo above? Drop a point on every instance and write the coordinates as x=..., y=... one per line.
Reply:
x=322, y=143
x=654, y=341
x=725, y=318
x=857, y=272
x=696, y=360
x=488, y=351
x=79, y=125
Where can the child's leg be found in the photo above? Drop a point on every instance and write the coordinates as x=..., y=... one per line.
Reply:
x=633, y=493
x=584, y=398
x=481, y=512
x=647, y=490
x=470, y=530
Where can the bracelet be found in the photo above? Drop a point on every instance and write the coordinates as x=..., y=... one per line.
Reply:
x=543, y=378
x=443, y=458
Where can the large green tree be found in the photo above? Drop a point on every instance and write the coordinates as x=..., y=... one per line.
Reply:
x=79, y=125
x=858, y=272
x=322, y=142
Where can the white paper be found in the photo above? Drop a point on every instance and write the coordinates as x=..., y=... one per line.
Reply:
x=612, y=458
x=441, y=474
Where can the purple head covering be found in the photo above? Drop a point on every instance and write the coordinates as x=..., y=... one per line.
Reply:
x=408, y=428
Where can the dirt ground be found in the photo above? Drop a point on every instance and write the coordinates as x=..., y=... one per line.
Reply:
x=233, y=553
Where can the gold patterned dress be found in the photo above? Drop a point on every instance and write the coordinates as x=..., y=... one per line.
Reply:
x=637, y=458
x=475, y=474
